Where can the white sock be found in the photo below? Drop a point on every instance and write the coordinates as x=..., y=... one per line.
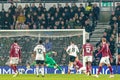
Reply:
x=42, y=70
x=37, y=71
x=70, y=67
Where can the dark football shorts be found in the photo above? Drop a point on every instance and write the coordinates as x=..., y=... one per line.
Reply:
x=40, y=61
x=72, y=58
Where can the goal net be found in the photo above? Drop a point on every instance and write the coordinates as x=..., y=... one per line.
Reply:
x=56, y=40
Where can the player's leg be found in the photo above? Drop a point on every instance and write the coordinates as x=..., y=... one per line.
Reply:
x=89, y=67
x=58, y=67
x=102, y=61
x=42, y=67
x=13, y=65
x=37, y=67
x=86, y=63
x=82, y=70
x=110, y=67
x=50, y=65
x=70, y=66
x=30, y=64
x=53, y=64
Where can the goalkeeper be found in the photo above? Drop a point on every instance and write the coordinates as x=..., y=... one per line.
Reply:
x=49, y=62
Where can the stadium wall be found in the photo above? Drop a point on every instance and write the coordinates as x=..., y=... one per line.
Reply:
x=24, y=70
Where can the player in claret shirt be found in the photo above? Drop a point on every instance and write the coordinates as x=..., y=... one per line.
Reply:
x=106, y=54
x=87, y=56
x=79, y=66
x=15, y=57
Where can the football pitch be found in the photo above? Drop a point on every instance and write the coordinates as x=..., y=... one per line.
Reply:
x=57, y=77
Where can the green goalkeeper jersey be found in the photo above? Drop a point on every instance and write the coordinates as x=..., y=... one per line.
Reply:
x=48, y=59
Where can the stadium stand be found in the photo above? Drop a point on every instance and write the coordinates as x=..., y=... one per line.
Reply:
x=61, y=17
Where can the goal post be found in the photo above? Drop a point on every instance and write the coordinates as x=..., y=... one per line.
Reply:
x=60, y=39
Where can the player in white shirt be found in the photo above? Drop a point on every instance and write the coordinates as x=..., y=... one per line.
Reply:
x=39, y=52
x=72, y=50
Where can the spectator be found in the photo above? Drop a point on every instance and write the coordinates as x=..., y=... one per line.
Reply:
x=96, y=12
x=112, y=46
x=74, y=7
x=82, y=9
x=109, y=32
x=20, y=9
x=48, y=45
x=105, y=35
x=33, y=7
x=113, y=20
x=12, y=8
x=88, y=9
x=20, y=21
x=61, y=9
x=26, y=10
x=2, y=14
x=67, y=7
x=35, y=17
x=117, y=10
x=21, y=18
x=88, y=28
x=40, y=9
x=28, y=21
x=52, y=10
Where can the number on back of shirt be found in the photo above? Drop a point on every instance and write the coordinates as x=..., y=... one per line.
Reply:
x=39, y=51
x=88, y=49
x=73, y=49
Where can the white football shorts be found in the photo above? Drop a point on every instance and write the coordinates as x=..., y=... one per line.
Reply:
x=87, y=59
x=105, y=60
x=14, y=60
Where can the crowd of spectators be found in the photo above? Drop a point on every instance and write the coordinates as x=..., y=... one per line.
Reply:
x=56, y=17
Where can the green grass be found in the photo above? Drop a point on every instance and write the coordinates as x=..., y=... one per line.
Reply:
x=57, y=77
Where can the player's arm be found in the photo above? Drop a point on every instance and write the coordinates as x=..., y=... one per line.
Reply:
x=100, y=50
x=68, y=50
x=49, y=53
x=19, y=55
x=44, y=52
x=92, y=50
x=11, y=50
x=33, y=54
x=81, y=51
x=77, y=50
